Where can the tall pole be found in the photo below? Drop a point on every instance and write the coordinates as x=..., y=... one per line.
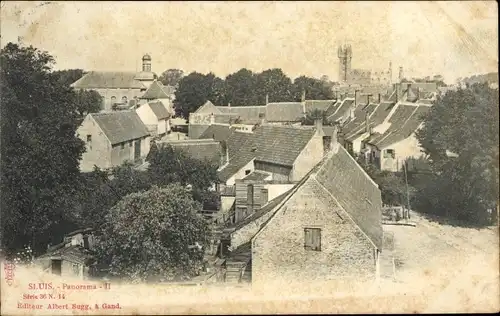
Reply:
x=407, y=190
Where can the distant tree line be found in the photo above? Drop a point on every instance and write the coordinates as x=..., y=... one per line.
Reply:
x=246, y=88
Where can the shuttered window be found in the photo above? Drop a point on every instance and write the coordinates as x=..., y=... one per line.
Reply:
x=312, y=239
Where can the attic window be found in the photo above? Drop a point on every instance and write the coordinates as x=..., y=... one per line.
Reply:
x=89, y=138
x=312, y=239
x=247, y=172
x=390, y=153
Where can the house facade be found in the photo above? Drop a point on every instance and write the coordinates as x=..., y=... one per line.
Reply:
x=118, y=88
x=112, y=138
x=70, y=258
x=156, y=117
x=328, y=226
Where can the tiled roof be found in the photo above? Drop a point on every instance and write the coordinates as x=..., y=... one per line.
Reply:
x=247, y=114
x=239, y=146
x=400, y=129
x=217, y=132
x=284, y=112
x=159, y=110
x=108, y=80
x=257, y=175
x=281, y=144
x=332, y=108
x=341, y=110
x=201, y=149
x=322, y=105
x=351, y=187
x=359, y=118
x=207, y=107
x=355, y=191
x=157, y=91
x=76, y=254
x=120, y=126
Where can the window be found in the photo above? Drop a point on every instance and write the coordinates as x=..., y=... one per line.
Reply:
x=389, y=153
x=312, y=239
x=130, y=143
x=247, y=172
x=56, y=266
x=264, y=194
x=122, y=145
x=113, y=100
x=124, y=99
x=76, y=269
x=89, y=138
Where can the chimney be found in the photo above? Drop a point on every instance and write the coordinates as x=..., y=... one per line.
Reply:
x=356, y=97
x=379, y=98
x=212, y=119
x=396, y=86
x=267, y=99
x=229, y=104
x=319, y=124
x=418, y=93
x=368, y=96
x=367, y=123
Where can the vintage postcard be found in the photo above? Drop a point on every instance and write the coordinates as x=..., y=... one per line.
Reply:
x=232, y=157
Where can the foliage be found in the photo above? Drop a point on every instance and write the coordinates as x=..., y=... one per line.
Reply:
x=313, y=115
x=40, y=150
x=69, y=76
x=464, y=122
x=147, y=236
x=391, y=185
x=275, y=84
x=240, y=88
x=194, y=90
x=315, y=89
x=171, y=77
x=168, y=165
x=88, y=101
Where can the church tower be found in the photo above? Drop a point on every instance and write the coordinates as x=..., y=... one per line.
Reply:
x=146, y=76
x=146, y=63
x=345, y=56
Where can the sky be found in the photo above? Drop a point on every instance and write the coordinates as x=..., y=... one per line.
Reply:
x=454, y=39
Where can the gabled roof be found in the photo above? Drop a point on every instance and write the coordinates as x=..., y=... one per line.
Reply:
x=284, y=112
x=271, y=205
x=322, y=105
x=355, y=191
x=201, y=149
x=207, y=107
x=120, y=126
x=240, y=150
x=217, y=132
x=341, y=110
x=405, y=120
x=108, y=80
x=76, y=254
x=343, y=180
x=359, y=118
x=332, y=108
x=159, y=110
x=281, y=144
x=157, y=91
x=247, y=114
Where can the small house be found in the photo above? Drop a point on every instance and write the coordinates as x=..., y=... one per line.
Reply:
x=112, y=138
x=156, y=117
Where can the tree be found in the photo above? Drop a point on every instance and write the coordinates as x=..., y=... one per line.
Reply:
x=315, y=89
x=464, y=122
x=240, y=88
x=194, y=90
x=275, y=84
x=88, y=101
x=40, y=151
x=69, y=76
x=171, y=77
x=169, y=165
x=154, y=235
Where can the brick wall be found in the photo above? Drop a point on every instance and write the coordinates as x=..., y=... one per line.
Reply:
x=278, y=250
